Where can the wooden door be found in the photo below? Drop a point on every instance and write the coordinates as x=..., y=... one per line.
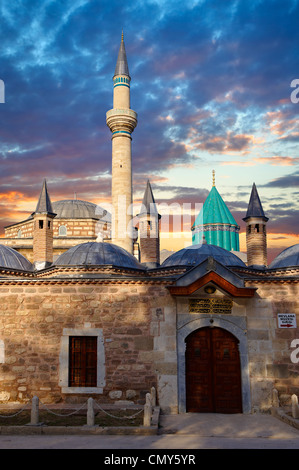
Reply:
x=213, y=373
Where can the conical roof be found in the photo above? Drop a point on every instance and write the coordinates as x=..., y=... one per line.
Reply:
x=122, y=63
x=214, y=211
x=44, y=204
x=255, y=208
x=148, y=203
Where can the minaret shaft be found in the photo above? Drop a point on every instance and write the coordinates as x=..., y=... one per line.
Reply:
x=122, y=121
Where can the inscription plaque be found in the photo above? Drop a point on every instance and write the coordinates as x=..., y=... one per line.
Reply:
x=220, y=306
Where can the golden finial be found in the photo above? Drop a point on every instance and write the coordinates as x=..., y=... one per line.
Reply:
x=122, y=35
x=213, y=177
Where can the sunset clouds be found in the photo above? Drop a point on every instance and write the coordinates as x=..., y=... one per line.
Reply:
x=211, y=83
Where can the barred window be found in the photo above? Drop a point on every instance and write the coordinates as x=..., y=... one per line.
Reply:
x=83, y=361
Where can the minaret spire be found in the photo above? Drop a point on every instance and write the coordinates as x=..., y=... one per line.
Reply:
x=122, y=121
x=122, y=67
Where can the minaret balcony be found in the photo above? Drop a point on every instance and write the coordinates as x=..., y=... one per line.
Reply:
x=121, y=119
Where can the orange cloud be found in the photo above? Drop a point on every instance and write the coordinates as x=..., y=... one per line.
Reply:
x=278, y=160
x=275, y=160
x=11, y=196
x=279, y=123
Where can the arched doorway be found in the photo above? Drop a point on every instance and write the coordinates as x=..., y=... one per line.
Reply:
x=213, y=372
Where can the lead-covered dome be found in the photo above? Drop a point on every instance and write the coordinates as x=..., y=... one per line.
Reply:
x=196, y=254
x=287, y=258
x=77, y=209
x=97, y=253
x=12, y=259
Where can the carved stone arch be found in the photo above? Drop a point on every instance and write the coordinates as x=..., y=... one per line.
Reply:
x=235, y=327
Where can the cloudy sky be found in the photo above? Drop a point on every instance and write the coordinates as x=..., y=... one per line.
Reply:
x=211, y=83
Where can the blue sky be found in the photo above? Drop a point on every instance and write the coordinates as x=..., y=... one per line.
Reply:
x=211, y=83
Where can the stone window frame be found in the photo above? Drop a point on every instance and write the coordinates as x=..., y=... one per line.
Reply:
x=64, y=360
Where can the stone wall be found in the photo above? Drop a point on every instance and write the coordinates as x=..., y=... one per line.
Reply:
x=256, y=241
x=269, y=347
x=149, y=240
x=138, y=331
x=75, y=228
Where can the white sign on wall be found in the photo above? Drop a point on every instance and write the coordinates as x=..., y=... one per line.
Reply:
x=286, y=320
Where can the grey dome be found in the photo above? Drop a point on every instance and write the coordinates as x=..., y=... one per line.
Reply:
x=97, y=253
x=77, y=209
x=196, y=254
x=288, y=257
x=12, y=259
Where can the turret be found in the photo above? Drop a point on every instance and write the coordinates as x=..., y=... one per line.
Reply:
x=256, y=231
x=43, y=230
x=149, y=233
x=122, y=121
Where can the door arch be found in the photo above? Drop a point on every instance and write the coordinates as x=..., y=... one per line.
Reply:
x=213, y=371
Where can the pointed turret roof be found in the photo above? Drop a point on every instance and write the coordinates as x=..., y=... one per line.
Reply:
x=148, y=202
x=255, y=208
x=122, y=63
x=44, y=204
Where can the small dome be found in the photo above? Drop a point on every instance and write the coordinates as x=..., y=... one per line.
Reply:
x=12, y=259
x=288, y=257
x=97, y=253
x=196, y=254
x=76, y=209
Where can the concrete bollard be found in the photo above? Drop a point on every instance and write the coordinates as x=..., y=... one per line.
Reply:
x=35, y=411
x=147, y=418
x=90, y=412
x=295, y=407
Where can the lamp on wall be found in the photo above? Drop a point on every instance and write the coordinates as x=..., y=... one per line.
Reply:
x=209, y=289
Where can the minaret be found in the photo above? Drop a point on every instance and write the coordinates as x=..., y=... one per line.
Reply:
x=122, y=121
x=149, y=234
x=256, y=233
x=43, y=230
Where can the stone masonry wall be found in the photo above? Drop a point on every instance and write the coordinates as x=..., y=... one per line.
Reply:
x=269, y=347
x=132, y=317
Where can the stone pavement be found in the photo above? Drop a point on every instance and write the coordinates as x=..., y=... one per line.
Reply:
x=227, y=425
x=185, y=431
